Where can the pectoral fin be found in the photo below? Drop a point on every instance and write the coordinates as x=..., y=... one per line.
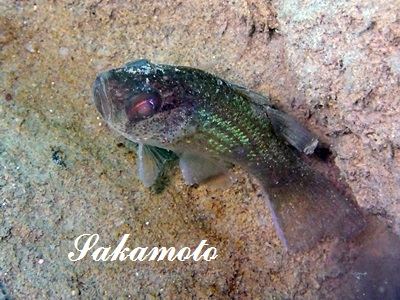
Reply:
x=151, y=160
x=197, y=169
x=291, y=131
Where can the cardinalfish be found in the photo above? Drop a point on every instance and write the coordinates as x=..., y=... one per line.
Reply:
x=211, y=124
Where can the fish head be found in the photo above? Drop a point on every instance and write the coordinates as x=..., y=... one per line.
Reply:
x=147, y=103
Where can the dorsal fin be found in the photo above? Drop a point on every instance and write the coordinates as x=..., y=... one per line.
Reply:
x=252, y=95
x=292, y=132
x=285, y=127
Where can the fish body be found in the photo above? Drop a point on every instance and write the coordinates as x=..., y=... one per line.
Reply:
x=211, y=124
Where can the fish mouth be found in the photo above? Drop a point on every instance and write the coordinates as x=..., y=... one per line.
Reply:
x=100, y=95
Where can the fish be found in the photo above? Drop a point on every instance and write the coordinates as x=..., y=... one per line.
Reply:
x=211, y=125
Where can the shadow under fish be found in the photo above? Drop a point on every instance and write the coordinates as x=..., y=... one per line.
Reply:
x=370, y=266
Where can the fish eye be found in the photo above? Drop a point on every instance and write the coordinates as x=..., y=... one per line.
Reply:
x=142, y=106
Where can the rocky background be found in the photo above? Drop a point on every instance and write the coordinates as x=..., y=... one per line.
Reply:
x=334, y=65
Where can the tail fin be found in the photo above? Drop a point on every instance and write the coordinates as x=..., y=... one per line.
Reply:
x=306, y=207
